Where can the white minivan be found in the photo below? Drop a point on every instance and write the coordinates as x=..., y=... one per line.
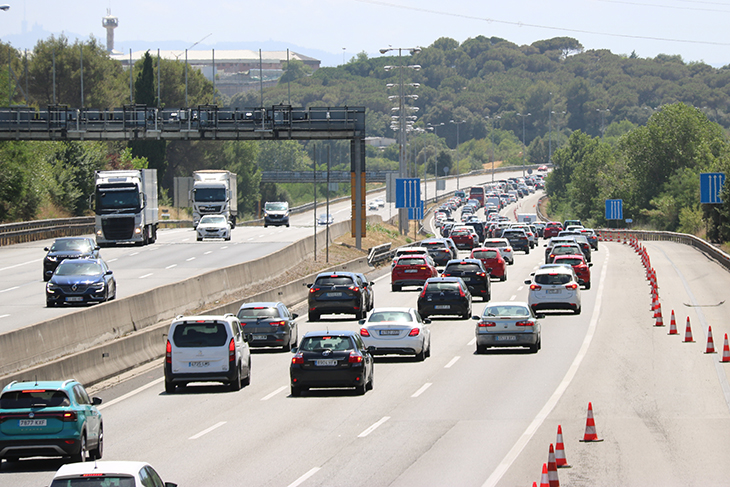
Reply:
x=207, y=348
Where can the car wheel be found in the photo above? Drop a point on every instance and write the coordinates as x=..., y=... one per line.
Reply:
x=199, y=239
x=423, y=315
x=287, y=225
x=395, y=288
x=428, y=350
x=170, y=387
x=227, y=239
x=421, y=356
x=534, y=348
x=235, y=384
x=296, y=391
x=359, y=315
x=361, y=389
x=466, y=315
x=482, y=349
x=588, y=285
x=512, y=262
x=527, y=251
x=504, y=277
x=246, y=381
x=50, y=304
x=265, y=225
x=97, y=452
x=287, y=347
x=81, y=455
x=313, y=316
x=577, y=311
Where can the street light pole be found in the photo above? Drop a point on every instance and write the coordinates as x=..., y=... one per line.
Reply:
x=457, y=150
x=524, y=147
x=491, y=136
x=436, y=163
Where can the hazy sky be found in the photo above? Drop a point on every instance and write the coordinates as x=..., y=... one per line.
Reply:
x=691, y=28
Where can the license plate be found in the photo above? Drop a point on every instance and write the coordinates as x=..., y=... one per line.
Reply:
x=553, y=291
x=198, y=364
x=74, y=298
x=389, y=332
x=31, y=422
x=325, y=362
x=505, y=338
x=442, y=306
x=411, y=271
x=260, y=337
x=466, y=279
x=334, y=295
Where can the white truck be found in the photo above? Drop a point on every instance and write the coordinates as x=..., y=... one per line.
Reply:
x=527, y=217
x=215, y=192
x=126, y=207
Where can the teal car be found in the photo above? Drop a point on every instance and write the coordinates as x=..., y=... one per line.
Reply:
x=49, y=419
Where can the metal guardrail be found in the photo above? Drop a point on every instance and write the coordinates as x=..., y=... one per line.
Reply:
x=379, y=253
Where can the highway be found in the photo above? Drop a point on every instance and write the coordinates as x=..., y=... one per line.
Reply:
x=661, y=406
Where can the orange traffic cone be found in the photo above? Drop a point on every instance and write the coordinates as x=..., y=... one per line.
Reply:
x=590, y=434
x=672, y=325
x=710, y=343
x=688, y=333
x=560, y=459
x=552, y=468
x=725, y=351
x=659, y=319
x=544, y=480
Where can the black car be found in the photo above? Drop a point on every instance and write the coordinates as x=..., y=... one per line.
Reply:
x=474, y=275
x=368, y=290
x=331, y=359
x=517, y=239
x=440, y=250
x=68, y=248
x=269, y=324
x=81, y=281
x=336, y=292
x=445, y=296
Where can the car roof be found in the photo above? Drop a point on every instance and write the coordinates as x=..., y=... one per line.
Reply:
x=335, y=273
x=267, y=304
x=120, y=467
x=444, y=279
x=394, y=308
x=508, y=303
x=41, y=384
x=204, y=318
x=467, y=261
x=549, y=270
x=72, y=238
x=322, y=333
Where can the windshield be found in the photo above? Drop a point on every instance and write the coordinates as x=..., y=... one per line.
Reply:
x=205, y=195
x=110, y=480
x=117, y=199
x=76, y=244
x=192, y=335
x=318, y=344
x=507, y=311
x=258, y=312
x=220, y=219
x=70, y=268
x=276, y=206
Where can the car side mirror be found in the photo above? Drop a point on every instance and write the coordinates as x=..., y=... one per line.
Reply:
x=372, y=283
x=475, y=318
x=109, y=272
x=528, y=281
x=170, y=484
x=294, y=349
x=590, y=264
x=294, y=316
x=427, y=321
x=371, y=349
x=540, y=316
x=419, y=289
x=308, y=285
x=95, y=401
x=46, y=249
x=362, y=322
x=247, y=338
x=97, y=248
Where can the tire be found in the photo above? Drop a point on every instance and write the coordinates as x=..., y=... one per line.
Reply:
x=588, y=285
x=287, y=347
x=97, y=452
x=370, y=383
x=421, y=356
x=395, y=288
x=577, y=311
x=170, y=387
x=359, y=315
x=265, y=225
x=227, y=239
x=50, y=304
x=199, y=239
x=423, y=315
x=82, y=454
x=466, y=315
x=313, y=316
x=482, y=349
x=235, y=384
x=428, y=350
x=534, y=348
x=527, y=251
x=246, y=381
x=296, y=391
x=287, y=225
x=361, y=389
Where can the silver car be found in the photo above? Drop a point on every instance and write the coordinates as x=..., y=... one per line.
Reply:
x=554, y=288
x=396, y=331
x=508, y=324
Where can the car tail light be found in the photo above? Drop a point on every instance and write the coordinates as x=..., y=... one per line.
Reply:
x=484, y=324
x=297, y=359
x=423, y=268
x=481, y=274
x=355, y=358
x=524, y=323
x=571, y=286
x=461, y=292
x=232, y=350
x=446, y=274
x=535, y=287
x=69, y=416
x=313, y=289
x=414, y=332
x=278, y=323
x=168, y=353
x=423, y=293
x=364, y=332
x=354, y=289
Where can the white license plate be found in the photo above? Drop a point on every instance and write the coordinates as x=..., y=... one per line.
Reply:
x=260, y=337
x=198, y=364
x=466, y=279
x=505, y=338
x=553, y=291
x=325, y=362
x=31, y=422
x=442, y=306
x=74, y=298
x=389, y=332
x=411, y=271
x=334, y=295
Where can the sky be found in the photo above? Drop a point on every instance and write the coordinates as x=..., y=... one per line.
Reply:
x=336, y=30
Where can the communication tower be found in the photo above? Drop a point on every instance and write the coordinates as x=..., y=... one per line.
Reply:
x=110, y=23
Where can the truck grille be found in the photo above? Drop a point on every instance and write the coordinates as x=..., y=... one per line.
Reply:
x=118, y=228
x=210, y=209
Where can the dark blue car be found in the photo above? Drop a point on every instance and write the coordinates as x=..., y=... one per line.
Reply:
x=81, y=281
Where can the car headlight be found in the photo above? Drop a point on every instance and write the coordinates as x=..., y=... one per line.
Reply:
x=137, y=230
x=98, y=286
x=50, y=287
x=51, y=258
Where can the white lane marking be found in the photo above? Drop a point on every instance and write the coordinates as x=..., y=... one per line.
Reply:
x=207, y=430
x=171, y=266
x=9, y=289
x=260, y=236
x=130, y=394
x=191, y=258
x=278, y=391
x=112, y=260
x=185, y=239
x=422, y=389
x=472, y=342
x=520, y=288
x=513, y=297
x=224, y=247
x=452, y=362
x=18, y=265
x=304, y=477
x=208, y=252
x=250, y=239
x=134, y=253
x=4, y=316
x=550, y=404
x=373, y=427
x=146, y=275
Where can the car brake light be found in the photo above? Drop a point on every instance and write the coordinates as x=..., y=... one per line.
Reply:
x=364, y=332
x=414, y=332
x=571, y=286
x=535, y=287
x=278, y=323
x=232, y=350
x=69, y=416
x=423, y=292
x=524, y=323
x=461, y=292
x=354, y=289
x=445, y=274
x=483, y=324
x=168, y=352
x=297, y=359
x=313, y=289
x=481, y=274
x=354, y=358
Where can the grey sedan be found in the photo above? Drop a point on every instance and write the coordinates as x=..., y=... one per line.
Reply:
x=508, y=324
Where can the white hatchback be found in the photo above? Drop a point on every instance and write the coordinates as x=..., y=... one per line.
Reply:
x=554, y=288
x=118, y=473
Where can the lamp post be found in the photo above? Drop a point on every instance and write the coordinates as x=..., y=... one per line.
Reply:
x=457, y=150
x=436, y=163
x=524, y=147
x=402, y=212
x=491, y=136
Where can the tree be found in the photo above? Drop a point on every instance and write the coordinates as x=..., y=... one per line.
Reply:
x=294, y=70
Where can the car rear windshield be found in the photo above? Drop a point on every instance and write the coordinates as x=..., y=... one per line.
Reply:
x=552, y=278
x=508, y=233
x=399, y=316
x=258, y=313
x=498, y=243
x=507, y=311
x=570, y=261
x=334, y=281
x=318, y=344
x=463, y=268
x=560, y=249
x=460, y=233
x=442, y=286
x=486, y=254
x=191, y=335
x=411, y=261
x=96, y=480
x=34, y=398
x=434, y=245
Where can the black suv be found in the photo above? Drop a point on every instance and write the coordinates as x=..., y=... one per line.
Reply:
x=68, y=248
x=474, y=275
x=517, y=239
x=269, y=324
x=445, y=296
x=336, y=292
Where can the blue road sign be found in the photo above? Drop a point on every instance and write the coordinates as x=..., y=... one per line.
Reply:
x=710, y=186
x=407, y=192
x=614, y=209
x=416, y=213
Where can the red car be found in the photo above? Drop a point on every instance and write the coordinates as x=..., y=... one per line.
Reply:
x=578, y=262
x=411, y=270
x=492, y=259
x=552, y=229
x=462, y=238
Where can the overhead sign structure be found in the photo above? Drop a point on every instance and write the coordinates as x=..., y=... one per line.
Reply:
x=614, y=209
x=711, y=184
x=407, y=192
x=416, y=213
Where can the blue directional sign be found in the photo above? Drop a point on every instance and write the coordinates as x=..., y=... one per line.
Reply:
x=416, y=213
x=710, y=186
x=614, y=209
x=407, y=192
